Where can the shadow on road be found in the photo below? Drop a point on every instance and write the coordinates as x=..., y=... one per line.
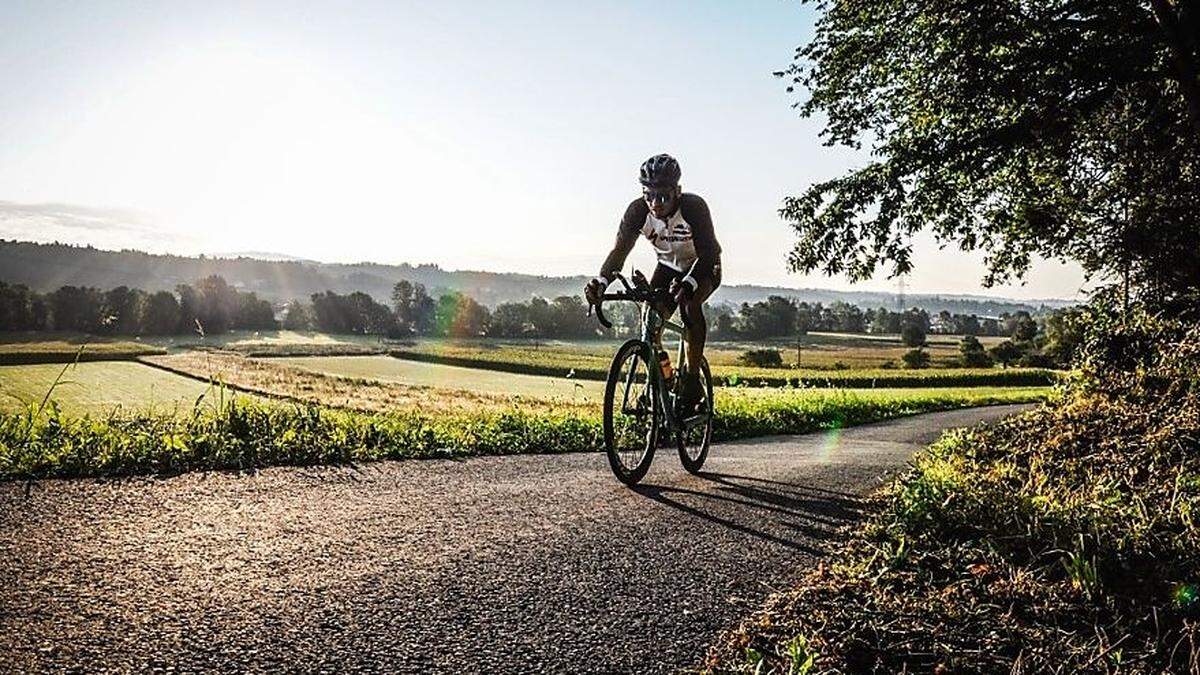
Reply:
x=788, y=514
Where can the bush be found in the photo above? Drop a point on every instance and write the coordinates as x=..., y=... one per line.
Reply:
x=1007, y=352
x=1036, y=359
x=762, y=358
x=916, y=359
x=973, y=354
x=1032, y=544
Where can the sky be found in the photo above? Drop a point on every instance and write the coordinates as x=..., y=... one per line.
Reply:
x=496, y=135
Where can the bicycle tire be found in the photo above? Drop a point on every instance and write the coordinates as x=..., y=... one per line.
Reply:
x=637, y=350
x=693, y=465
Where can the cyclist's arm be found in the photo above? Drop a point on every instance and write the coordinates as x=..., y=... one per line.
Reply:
x=627, y=234
x=704, y=238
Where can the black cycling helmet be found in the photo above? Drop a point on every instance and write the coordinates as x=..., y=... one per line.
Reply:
x=660, y=171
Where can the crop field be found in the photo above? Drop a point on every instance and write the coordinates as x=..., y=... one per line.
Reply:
x=278, y=343
x=590, y=360
x=351, y=390
x=99, y=388
x=23, y=348
x=351, y=382
x=388, y=369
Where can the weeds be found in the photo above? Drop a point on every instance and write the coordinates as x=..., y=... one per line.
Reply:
x=1062, y=540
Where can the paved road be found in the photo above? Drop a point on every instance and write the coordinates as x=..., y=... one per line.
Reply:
x=528, y=564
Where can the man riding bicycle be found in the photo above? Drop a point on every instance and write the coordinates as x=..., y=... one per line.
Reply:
x=679, y=227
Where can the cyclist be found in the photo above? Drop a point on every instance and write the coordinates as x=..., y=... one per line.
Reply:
x=680, y=229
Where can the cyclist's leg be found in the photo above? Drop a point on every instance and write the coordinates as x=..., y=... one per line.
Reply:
x=692, y=314
x=661, y=279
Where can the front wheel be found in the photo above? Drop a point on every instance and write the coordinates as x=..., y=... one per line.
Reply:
x=632, y=413
x=695, y=431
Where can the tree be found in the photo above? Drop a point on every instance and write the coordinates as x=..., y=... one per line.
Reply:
x=510, y=320
x=1064, y=128
x=254, y=314
x=218, y=304
x=1006, y=352
x=459, y=315
x=296, y=316
x=913, y=328
x=1064, y=332
x=973, y=355
x=414, y=308
x=774, y=317
x=76, y=309
x=916, y=358
x=122, y=311
x=16, y=308
x=161, y=315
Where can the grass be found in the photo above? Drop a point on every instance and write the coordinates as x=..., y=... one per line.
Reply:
x=1062, y=540
x=380, y=420
x=30, y=348
x=97, y=388
x=387, y=369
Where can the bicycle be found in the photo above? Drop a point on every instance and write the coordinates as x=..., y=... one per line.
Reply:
x=640, y=402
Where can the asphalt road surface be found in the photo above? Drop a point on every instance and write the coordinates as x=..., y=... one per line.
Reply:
x=534, y=563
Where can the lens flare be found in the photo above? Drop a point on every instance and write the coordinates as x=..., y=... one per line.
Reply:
x=832, y=440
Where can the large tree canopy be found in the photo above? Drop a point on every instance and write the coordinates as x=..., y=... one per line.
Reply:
x=1061, y=128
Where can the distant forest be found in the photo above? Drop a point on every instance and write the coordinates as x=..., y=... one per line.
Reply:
x=44, y=268
x=211, y=306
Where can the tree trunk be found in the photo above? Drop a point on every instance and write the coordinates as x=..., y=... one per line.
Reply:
x=1181, y=45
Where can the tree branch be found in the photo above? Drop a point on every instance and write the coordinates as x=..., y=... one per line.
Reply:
x=1184, y=57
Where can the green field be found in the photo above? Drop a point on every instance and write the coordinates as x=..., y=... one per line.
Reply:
x=388, y=369
x=98, y=388
x=590, y=360
x=23, y=348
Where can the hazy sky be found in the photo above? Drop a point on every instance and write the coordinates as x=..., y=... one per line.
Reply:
x=489, y=135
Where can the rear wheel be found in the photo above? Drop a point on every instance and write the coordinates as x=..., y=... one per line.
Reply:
x=632, y=413
x=695, y=432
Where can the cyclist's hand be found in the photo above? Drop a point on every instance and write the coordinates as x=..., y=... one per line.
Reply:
x=594, y=289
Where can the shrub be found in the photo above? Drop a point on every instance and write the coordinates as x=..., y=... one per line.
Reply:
x=916, y=359
x=1036, y=359
x=763, y=358
x=1028, y=545
x=1006, y=352
x=973, y=354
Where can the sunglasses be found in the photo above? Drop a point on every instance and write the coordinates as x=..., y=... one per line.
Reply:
x=658, y=196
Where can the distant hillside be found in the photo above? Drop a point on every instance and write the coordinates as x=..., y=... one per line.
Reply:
x=45, y=267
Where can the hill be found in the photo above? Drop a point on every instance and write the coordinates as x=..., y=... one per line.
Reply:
x=45, y=267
